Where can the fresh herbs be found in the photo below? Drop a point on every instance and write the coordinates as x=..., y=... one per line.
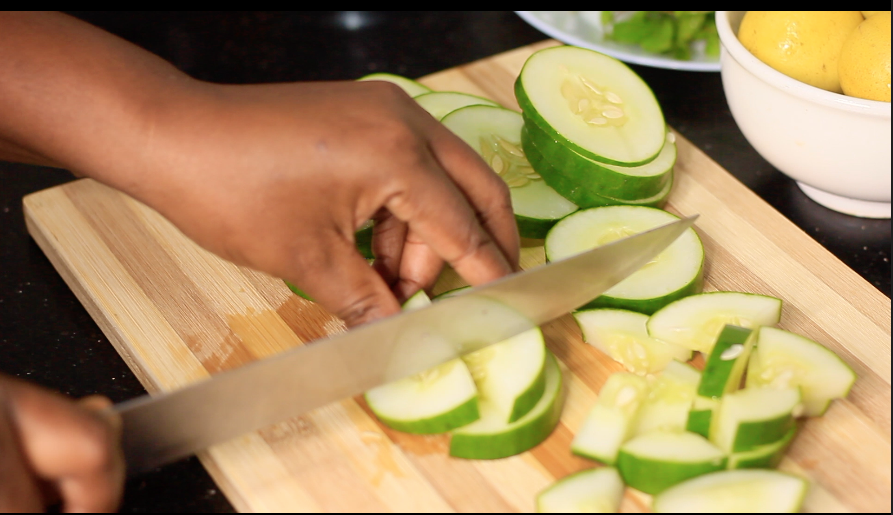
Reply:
x=671, y=33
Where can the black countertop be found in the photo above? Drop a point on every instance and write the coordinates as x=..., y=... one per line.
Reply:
x=46, y=335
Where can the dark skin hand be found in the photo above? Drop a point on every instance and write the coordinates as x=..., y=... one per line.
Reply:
x=276, y=177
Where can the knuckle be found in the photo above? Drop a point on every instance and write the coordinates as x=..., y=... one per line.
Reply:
x=98, y=444
x=359, y=310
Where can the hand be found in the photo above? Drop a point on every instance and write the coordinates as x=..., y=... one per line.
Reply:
x=56, y=450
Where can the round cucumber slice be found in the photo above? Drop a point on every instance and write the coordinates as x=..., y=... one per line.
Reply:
x=580, y=193
x=675, y=273
x=658, y=460
x=783, y=359
x=592, y=103
x=734, y=491
x=763, y=457
x=754, y=417
x=622, y=334
x=611, y=421
x=601, y=179
x=669, y=399
x=696, y=321
x=495, y=132
x=411, y=87
x=442, y=103
x=491, y=437
x=598, y=490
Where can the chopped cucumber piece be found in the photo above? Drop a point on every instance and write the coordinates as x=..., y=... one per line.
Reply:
x=495, y=132
x=722, y=374
x=669, y=399
x=592, y=103
x=622, y=334
x=658, y=460
x=595, y=179
x=491, y=437
x=676, y=272
x=611, y=421
x=766, y=456
x=783, y=359
x=598, y=490
x=442, y=103
x=696, y=321
x=754, y=417
x=734, y=491
x=411, y=87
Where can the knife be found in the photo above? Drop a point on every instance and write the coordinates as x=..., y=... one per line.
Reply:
x=164, y=428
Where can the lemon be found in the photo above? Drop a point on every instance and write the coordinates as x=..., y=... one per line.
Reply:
x=869, y=14
x=804, y=45
x=864, y=66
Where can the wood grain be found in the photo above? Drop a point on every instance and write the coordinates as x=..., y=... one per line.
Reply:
x=177, y=314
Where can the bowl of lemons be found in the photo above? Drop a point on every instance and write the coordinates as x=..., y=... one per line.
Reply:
x=810, y=90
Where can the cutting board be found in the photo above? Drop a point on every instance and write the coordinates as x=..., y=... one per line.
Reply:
x=178, y=314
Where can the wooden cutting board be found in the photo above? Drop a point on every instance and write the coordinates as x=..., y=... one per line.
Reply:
x=178, y=314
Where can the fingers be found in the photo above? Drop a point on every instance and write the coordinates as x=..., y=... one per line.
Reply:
x=19, y=491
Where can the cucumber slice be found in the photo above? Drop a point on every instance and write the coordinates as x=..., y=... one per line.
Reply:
x=592, y=103
x=442, y=103
x=696, y=321
x=754, y=417
x=669, y=399
x=765, y=456
x=622, y=334
x=676, y=272
x=598, y=490
x=495, y=132
x=411, y=87
x=722, y=374
x=611, y=421
x=599, y=179
x=734, y=491
x=491, y=437
x=783, y=359
x=658, y=460
x=434, y=401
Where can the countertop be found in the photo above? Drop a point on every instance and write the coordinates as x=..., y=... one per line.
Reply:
x=46, y=336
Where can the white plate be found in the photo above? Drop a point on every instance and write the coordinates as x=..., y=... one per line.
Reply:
x=574, y=28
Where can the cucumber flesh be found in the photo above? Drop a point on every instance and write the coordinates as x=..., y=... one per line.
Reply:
x=658, y=460
x=783, y=359
x=622, y=335
x=669, y=400
x=734, y=491
x=411, y=87
x=442, y=103
x=592, y=103
x=754, y=417
x=491, y=437
x=696, y=321
x=675, y=273
x=611, y=421
x=495, y=133
x=598, y=490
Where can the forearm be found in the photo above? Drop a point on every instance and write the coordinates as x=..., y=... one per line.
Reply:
x=74, y=96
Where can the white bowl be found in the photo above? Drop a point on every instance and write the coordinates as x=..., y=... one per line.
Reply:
x=836, y=147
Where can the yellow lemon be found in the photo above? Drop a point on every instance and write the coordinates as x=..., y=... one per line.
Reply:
x=865, y=60
x=869, y=14
x=804, y=45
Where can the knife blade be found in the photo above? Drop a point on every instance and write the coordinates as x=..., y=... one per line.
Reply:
x=170, y=426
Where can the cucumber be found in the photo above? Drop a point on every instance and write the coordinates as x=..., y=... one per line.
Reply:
x=675, y=273
x=696, y=321
x=495, y=132
x=622, y=334
x=655, y=461
x=411, y=87
x=669, y=399
x=491, y=437
x=442, y=103
x=765, y=456
x=734, y=491
x=593, y=104
x=783, y=359
x=594, y=179
x=722, y=374
x=611, y=421
x=433, y=401
x=598, y=490
x=754, y=417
